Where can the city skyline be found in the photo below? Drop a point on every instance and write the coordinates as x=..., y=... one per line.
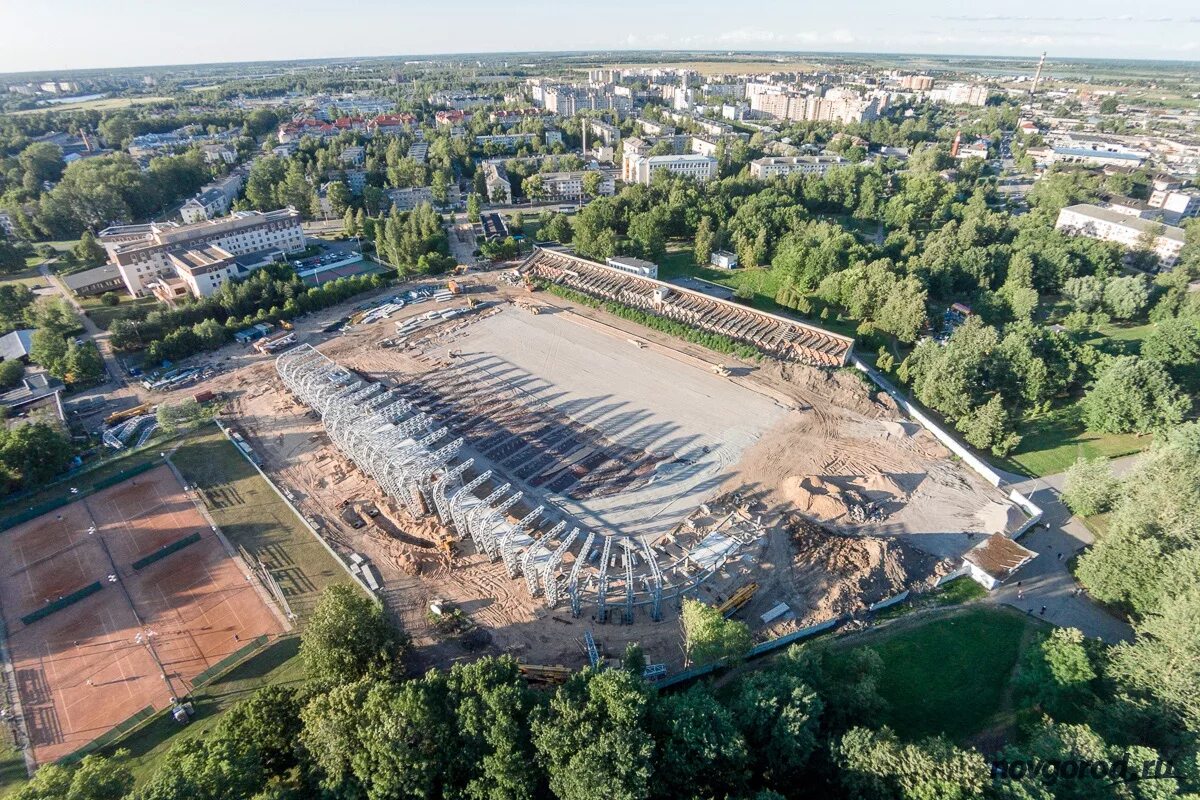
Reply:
x=231, y=32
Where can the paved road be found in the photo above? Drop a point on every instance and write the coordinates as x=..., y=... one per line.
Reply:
x=93, y=332
x=1045, y=581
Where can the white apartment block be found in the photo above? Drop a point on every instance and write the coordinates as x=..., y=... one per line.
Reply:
x=511, y=141
x=144, y=254
x=774, y=166
x=961, y=94
x=569, y=185
x=499, y=187
x=1176, y=206
x=642, y=169
x=208, y=204
x=1113, y=226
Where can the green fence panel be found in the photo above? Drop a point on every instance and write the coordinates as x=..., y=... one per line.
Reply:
x=109, y=736
x=61, y=603
x=124, y=475
x=229, y=661
x=166, y=550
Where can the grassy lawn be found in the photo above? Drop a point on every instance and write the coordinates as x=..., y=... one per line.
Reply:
x=253, y=516
x=277, y=664
x=12, y=765
x=1051, y=443
x=104, y=315
x=949, y=673
x=954, y=593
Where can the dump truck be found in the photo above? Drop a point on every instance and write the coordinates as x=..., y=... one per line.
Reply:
x=544, y=675
x=738, y=599
x=454, y=286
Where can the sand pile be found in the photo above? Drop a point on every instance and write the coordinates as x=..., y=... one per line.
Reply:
x=882, y=484
x=999, y=517
x=816, y=497
x=838, y=574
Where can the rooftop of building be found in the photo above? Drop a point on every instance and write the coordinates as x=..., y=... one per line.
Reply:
x=1087, y=152
x=76, y=280
x=1117, y=218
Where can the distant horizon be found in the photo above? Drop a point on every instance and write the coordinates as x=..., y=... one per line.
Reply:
x=76, y=35
x=1022, y=59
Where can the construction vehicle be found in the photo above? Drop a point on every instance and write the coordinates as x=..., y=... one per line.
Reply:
x=544, y=675
x=287, y=326
x=129, y=413
x=454, y=286
x=530, y=286
x=461, y=269
x=739, y=598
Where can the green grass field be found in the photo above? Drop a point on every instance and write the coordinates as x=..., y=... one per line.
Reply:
x=1051, y=443
x=949, y=673
x=253, y=516
x=104, y=315
x=954, y=593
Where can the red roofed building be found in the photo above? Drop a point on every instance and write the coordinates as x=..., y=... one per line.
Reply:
x=298, y=128
x=391, y=124
x=452, y=118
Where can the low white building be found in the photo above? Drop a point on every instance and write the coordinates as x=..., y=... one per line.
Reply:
x=723, y=259
x=208, y=204
x=1127, y=230
x=1176, y=206
x=775, y=166
x=569, y=185
x=698, y=168
x=634, y=266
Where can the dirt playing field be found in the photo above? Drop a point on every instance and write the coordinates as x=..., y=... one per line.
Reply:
x=853, y=502
x=144, y=635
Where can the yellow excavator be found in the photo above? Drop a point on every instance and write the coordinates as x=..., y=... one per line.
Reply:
x=737, y=600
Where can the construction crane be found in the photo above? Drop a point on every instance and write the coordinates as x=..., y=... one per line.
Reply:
x=737, y=600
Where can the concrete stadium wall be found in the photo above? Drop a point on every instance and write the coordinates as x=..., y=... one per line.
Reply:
x=974, y=462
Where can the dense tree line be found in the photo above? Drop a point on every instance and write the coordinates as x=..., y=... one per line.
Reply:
x=804, y=725
x=271, y=294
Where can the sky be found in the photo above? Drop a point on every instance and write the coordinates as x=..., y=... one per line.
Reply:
x=43, y=35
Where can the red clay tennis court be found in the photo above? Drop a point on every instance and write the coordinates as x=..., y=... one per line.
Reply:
x=170, y=603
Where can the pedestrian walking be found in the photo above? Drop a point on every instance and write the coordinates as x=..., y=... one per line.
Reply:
x=1060, y=556
x=1043, y=611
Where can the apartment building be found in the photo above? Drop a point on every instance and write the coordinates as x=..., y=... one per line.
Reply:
x=499, y=188
x=391, y=124
x=634, y=266
x=1111, y=225
x=511, y=141
x=1175, y=206
x=201, y=271
x=774, y=166
x=208, y=204
x=699, y=168
x=916, y=83
x=353, y=156
x=961, y=94
x=143, y=253
x=606, y=133
x=569, y=185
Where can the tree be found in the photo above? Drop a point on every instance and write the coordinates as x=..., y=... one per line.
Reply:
x=594, y=737
x=1133, y=395
x=1086, y=292
x=779, y=717
x=11, y=373
x=1090, y=486
x=701, y=753
x=473, y=207
x=48, y=348
x=347, y=638
x=1127, y=297
x=705, y=241
x=339, y=198
x=95, y=778
x=533, y=188
x=1057, y=675
x=876, y=764
x=82, y=363
x=1164, y=660
x=1109, y=105
x=296, y=191
x=989, y=427
x=592, y=180
x=556, y=229
x=40, y=162
x=32, y=454
x=709, y=637
x=1174, y=342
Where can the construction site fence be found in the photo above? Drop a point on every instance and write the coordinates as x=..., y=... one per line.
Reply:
x=33, y=512
x=890, y=601
x=61, y=603
x=166, y=550
x=757, y=651
x=973, y=461
x=230, y=661
x=950, y=576
x=109, y=736
x=358, y=580
x=1029, y=507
